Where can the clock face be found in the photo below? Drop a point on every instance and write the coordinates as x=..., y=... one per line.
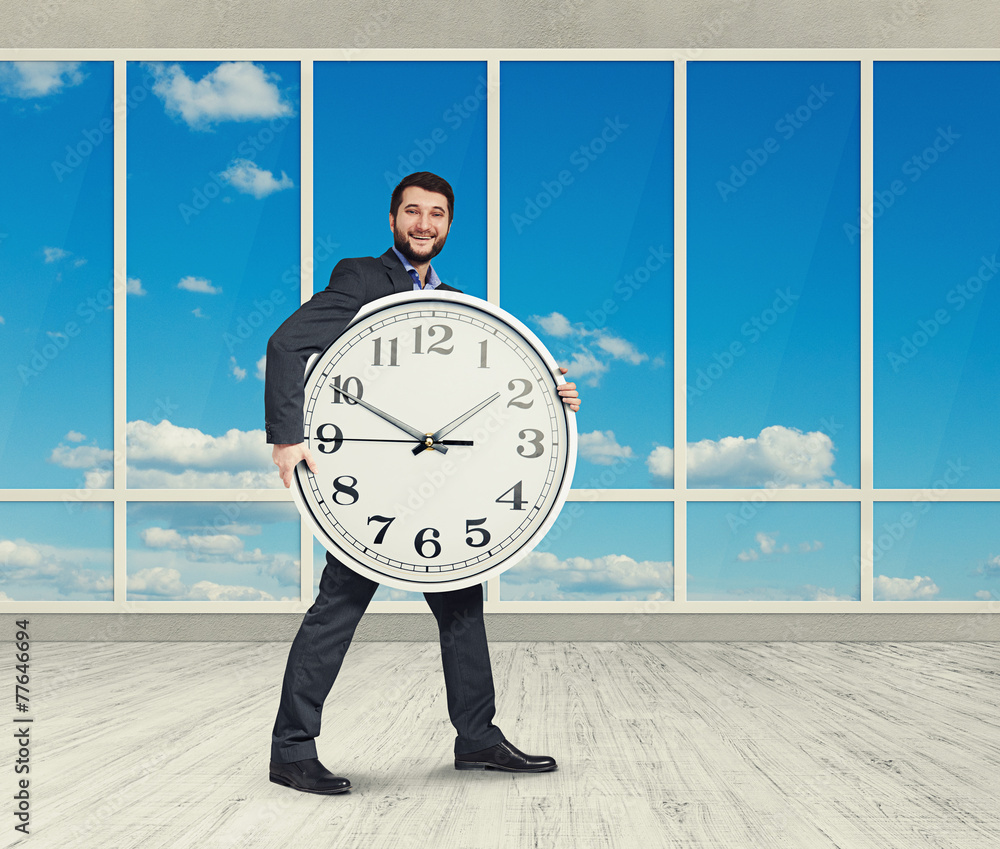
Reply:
x=444, y=452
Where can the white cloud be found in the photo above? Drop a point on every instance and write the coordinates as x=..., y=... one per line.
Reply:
x=985, y=595
x=555, y=324
x=164, y=456
x=767, y=543
x=262, y=366
x=219, y=592
x=2, y=320
x=992, y=566
x=904, y=589
x=585, y=366
x=166, y=444
x=596, y=349
x=98, y=479
x=197, y=313
x=232, y=91
x=19, y=554
x=75, y=436
x=780, y=457
x=198, y=284
x=167, y=551
x=602, y=448
x=133, y=286
x=54, y=254
x=157, y=581
x=63, y=572
x=194, y=479
x=81, y=457
x=162, y=538
x=661, y=462
x=55, y=334
x=621, y=349
x=245, y=176
x=38, y=79
x=542, y=575
x=78, y=262
x=236, y=371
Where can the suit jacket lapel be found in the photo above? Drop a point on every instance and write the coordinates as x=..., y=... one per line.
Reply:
x=401, y=281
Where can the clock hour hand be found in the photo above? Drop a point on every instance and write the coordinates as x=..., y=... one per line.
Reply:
x=423, y=438
x=448, y=428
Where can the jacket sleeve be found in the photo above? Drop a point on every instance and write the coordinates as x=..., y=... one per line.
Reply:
x=308, y=330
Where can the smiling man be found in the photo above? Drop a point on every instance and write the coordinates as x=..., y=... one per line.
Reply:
x=420, y=215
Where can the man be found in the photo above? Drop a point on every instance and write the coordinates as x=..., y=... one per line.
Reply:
x=420, y=214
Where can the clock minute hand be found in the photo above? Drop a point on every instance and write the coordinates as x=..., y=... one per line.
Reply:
x=422, y=438
x=448, y=428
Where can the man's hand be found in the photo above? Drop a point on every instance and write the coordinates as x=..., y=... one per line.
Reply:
x=568, y=393
x=287, y=457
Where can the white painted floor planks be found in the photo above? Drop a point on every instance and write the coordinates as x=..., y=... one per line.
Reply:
x=811, y=745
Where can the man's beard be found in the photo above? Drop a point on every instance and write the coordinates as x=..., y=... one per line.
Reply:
x=403, y=246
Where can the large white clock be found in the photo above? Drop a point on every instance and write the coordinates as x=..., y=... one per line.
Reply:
x=444, y=452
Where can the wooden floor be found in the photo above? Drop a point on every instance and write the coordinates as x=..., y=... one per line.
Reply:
x=812, y=745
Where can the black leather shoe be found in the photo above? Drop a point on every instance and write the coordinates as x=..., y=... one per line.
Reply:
x=506, y=757
x=309, y=776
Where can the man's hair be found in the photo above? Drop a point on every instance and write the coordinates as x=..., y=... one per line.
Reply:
x=424, y=180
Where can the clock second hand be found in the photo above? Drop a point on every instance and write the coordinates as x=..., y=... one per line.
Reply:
x=407, y=441
x=423, y=438
x=448, y=428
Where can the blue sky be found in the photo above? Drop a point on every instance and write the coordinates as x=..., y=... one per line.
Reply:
x=376, y=122
x=586, y=260
x=56, y=266
x=773, y=284
x=218, y=551
x=928, y=551
x=51, y=552
x=586, y=244
x=213, y=256
x=771, y=551
x=936, y=299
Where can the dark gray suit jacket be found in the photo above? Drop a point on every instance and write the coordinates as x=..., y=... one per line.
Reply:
x=313, y=326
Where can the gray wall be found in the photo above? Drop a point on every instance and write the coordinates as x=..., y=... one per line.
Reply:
x=540, y=24
x=518, y=23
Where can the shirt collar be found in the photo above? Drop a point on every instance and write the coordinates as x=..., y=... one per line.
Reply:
x=433, y=281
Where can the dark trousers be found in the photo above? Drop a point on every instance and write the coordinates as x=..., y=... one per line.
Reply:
x=325, y=635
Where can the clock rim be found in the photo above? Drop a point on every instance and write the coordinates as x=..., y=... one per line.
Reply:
x=561, y=495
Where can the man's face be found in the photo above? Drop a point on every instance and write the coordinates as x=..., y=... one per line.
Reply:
x=420, y=226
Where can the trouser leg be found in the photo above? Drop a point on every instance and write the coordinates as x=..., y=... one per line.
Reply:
x=315, y=658
x=467, y=674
